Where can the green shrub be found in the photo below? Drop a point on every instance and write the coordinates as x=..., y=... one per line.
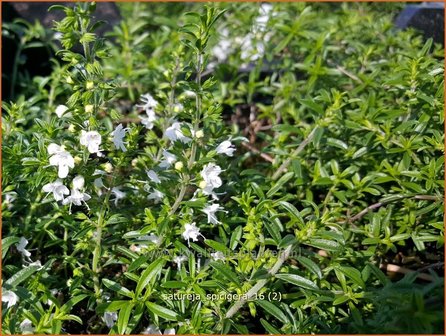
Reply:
x=230, y=168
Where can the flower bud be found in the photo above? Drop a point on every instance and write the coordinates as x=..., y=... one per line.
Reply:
x=89, y=108
x=179, y=165
x=202, y=184
x=108, y=167
x=72, y=128
x=134, y=162
x=69, y=80
x=77, y=159
x=89, y=85
x=199, y=134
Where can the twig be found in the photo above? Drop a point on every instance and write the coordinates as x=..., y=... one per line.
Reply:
x=299, y=149
x=404, y=270
x=380, y=204
x=256, y=151
x=259, y=285
x=435, y=265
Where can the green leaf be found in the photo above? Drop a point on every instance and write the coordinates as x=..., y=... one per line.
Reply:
x=291, y=209
x=324, y=244
x=275, y=188
x=310, y=265
x=21, y=275
x=216, y=245
x=378, y=273
x=353, y=274
x=114, y=286
x=297, y=280
x=123, y=318
x=149, y=273
x=6, y=244
x=273, y=310
x=226, y=272
x=164, y=312
x=269, y=328
x=235, y=237
x=273, y=229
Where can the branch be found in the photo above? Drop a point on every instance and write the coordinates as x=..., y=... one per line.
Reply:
x=259, y=285
x=404, y=270
x=299, y=149
x=256, y=151
x=380, y=204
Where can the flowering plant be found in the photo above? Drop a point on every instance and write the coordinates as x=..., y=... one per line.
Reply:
x=247, y=168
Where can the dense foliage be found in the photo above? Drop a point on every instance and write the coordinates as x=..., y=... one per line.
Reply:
x=229, y=168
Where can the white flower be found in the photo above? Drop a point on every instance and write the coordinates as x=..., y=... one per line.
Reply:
x=226, y=147
x=78, y=182
x=217, y=256
x=151, y=330
x=118, y=194
x=21, y=247
x=191, y=232
x=36, y=263
x=110, y=319
x=148, y=121
x=57, y=188
x=169, y=159
x=26, y=327
x=174, y=133
x=61, y=158
x=170, y=331
x=118, y=135
x=179, y=260
x=9, y=297
x=148, y=102
x=153, y=176
x=156, y=195
x=210, y=211
x=92, y=140
x=210, y=174
x=60, y=110
x=77, y=197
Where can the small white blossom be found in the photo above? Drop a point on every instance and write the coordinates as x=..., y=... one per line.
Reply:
x=78, y=182
x=169, y=159
x=21, y=247
x=151, y=330
x=118, y=135
x=210, y=211
x=60, y=110
x=57, y=188
x=179, y=260
x=149, y=103
x=60, y=158
x=210, y=175
x=148, y=121
x=153, y=176
x=26, y=327
x=174, y=133
x=76, y=197
x=92, y=140
x=9, y=297
x=191, y=232
x=156, y=195
x=118, y=194
x=226, y=147
x=110, y=319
